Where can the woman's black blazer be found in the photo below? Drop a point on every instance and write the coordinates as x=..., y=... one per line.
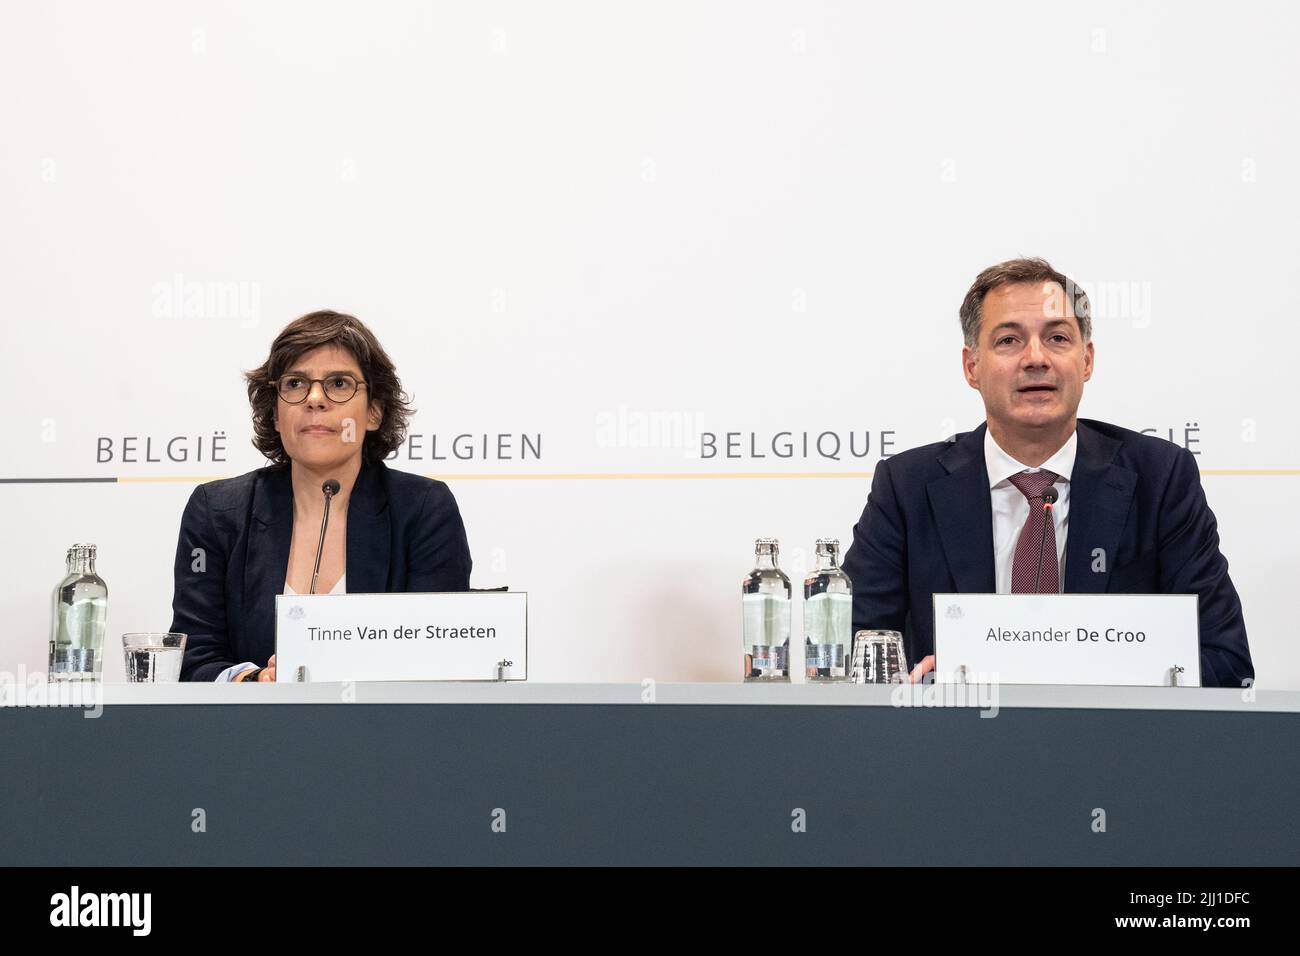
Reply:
x=404, y=534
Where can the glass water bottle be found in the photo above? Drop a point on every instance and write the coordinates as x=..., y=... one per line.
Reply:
x=80, y=615
x=827, y=617
x=766, y=605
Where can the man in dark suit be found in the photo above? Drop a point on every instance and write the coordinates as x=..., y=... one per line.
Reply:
x=967, y=515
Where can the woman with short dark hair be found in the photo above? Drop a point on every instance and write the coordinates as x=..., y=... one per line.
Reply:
x=327, y=405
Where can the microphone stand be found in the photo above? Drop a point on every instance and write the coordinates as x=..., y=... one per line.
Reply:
x=1049, y=499
x=329, y=489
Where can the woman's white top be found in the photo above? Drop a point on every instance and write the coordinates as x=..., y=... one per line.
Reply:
x=340, y=588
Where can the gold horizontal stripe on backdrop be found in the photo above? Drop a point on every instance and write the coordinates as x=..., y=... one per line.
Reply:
x=678, y=475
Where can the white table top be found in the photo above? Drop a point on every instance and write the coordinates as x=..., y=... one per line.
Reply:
x=795, y=694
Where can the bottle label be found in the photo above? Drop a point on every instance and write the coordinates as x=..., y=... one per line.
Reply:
x=769, y=658
x=823, y=655
x=828, y=620
x=766, y=621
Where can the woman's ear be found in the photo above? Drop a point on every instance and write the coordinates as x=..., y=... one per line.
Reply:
x=375, y=416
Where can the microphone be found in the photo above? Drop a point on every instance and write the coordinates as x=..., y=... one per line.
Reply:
x=1049, y=499
x=329, y=489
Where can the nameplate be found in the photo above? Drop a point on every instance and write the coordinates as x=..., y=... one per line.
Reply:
x=387, y=637
x=1131, y=640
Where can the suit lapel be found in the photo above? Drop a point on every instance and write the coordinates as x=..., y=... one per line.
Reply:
x=963, y=513
x=1101, y=495
x=268, y=545
x=369, y=532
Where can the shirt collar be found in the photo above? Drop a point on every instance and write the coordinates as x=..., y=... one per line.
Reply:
x=1002, y=466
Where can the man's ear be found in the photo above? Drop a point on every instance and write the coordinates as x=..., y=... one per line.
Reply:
x=1087, y=361
x=968, y=357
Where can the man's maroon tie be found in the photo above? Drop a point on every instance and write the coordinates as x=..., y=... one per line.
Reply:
x=1037, y=537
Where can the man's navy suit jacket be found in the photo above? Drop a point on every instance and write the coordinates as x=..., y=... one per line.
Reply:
x=404, y=534
x=1139, y=524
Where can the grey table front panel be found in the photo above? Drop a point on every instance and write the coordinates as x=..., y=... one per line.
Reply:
x=368, y=783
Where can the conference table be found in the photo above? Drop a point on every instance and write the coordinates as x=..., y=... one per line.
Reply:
x=644, y=773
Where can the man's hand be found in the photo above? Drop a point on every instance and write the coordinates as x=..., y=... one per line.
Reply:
x=921, y=669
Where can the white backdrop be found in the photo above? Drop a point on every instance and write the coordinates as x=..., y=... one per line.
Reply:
x=613, y=228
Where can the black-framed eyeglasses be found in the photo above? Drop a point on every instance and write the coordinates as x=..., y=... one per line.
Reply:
x=294, y=389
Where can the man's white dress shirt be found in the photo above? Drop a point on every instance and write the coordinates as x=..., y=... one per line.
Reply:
x=1011, y=507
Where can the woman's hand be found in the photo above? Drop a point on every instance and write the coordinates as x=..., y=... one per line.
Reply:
x=267, y=673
